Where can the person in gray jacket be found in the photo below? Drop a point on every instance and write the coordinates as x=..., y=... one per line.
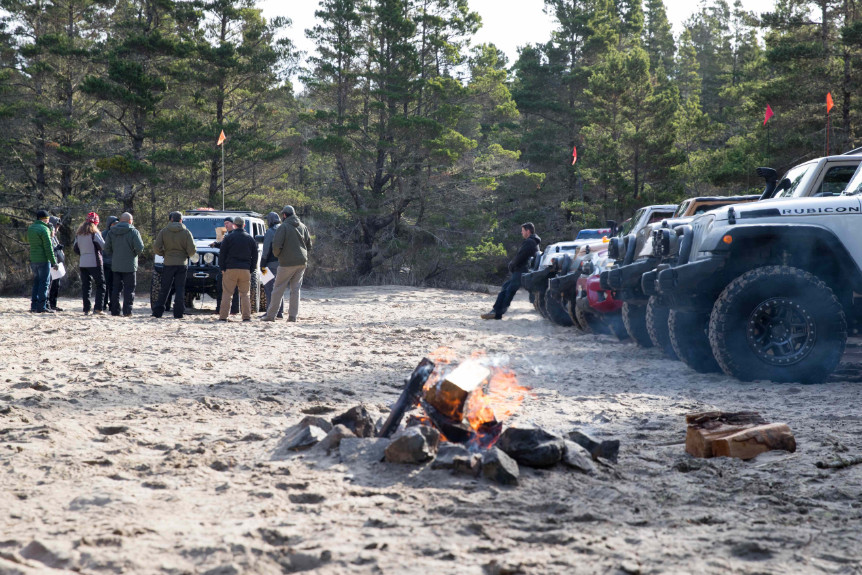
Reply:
x=176, y=244
x=291, y=245
x=89, y=244
x=106, y=260
x=124, y=245
x=268, y=260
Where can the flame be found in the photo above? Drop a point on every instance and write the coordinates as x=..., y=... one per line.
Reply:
x=496, y=400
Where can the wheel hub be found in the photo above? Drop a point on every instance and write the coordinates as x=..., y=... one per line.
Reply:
x=781, y=332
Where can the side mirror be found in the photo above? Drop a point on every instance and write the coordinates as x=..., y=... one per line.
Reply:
x=258, y=239
x=613, y=225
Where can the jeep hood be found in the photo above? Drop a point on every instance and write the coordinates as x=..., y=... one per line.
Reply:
x=788, y=207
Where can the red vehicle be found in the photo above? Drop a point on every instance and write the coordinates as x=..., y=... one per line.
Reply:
x=595, y=309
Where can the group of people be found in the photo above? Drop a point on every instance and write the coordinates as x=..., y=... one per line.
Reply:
x=109, y=263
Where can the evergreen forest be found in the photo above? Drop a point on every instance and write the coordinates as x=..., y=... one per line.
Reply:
x=412, y=153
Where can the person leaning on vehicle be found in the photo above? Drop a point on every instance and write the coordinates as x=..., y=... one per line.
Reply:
x=42, y=259
x=517, y=267
x=238, y=260
x=124, y=245
x=291, y=244
x=176, y=244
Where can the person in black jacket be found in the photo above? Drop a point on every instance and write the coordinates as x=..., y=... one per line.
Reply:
x=517, y=267
x=237, y=260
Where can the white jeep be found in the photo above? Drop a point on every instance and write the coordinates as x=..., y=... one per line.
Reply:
x=204, y=275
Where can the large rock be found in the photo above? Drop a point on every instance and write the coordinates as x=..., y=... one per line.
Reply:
x=499, y=467
x=333, y=439
x=310, y=420
x=300, y=437
x=532, y=447
x=54, y=554
x=608, y=449
x=357, y=420
x=360, y=449
x=576, y=457
x=457, y=458
x=413, y=445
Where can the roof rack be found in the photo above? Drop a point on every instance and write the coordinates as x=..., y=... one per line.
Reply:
x=213, y=212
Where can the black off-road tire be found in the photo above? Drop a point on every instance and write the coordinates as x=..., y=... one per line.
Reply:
x=587, y=319
x=264, y=303
x=634, y=320
x=556, y=312
x=189, y=300
x=656, y=322
x=615, y=324
x=688, y=336
x=254, y=292
x=155, y=288
x=570, y=309
x=540, y=304
x=748, y=327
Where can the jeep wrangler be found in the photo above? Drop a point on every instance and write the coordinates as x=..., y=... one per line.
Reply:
x=204, y=275
x=765, y=290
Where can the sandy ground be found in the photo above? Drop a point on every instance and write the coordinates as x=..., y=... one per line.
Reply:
x=147, y=446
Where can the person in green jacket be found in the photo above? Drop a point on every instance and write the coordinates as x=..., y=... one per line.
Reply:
x=291, y=245
x=176, y=243
x=124, y=245
x=42, y=259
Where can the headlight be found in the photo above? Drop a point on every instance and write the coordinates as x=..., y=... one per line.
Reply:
x=209, y=258
x=195, y=258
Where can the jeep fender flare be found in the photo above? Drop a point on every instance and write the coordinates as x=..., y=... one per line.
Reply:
x=789, y=235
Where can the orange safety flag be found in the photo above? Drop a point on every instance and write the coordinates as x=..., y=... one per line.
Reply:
x=221, y=139
x=574, y=155
x=829, y=103
x=768, y=114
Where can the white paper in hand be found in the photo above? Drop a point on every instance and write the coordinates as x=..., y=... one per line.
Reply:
x=266, y=276
x=59, y=272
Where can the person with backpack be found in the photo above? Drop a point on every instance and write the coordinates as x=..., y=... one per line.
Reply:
x=90, y=245
x=269, y=262
x=124, y=245
x=56, y=284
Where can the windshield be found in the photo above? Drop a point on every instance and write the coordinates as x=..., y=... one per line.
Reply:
x=630, y=223
x=798, y=177
x=203, y=228
x=592, y=234
x=854, y=187
x=681, y=209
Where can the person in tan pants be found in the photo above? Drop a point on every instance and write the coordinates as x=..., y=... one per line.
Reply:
x=238, y=260
x=291, y=246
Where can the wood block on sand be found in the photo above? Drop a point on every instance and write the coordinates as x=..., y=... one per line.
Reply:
x=742, y=434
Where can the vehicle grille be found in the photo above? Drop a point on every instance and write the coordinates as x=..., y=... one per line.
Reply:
x=699, y=227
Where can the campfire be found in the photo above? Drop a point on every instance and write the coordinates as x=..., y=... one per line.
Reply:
x=466, y=402
x=455, y=415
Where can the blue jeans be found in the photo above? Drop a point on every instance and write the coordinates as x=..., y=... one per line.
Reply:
x=507, y=293
x=41, y=283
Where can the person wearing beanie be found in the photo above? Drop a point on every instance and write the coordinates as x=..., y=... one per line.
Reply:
x=124, y=245
x=269, y=262
x=238, y=259
x=90, y=245
x=517, y=267
x=106, y=259
x=291, y=245
x=42, y=259
x=56, y=284
x=176, y=244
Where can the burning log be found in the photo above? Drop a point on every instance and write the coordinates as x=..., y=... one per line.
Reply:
x=449, y=396
x=409, y=397
x=743, y=434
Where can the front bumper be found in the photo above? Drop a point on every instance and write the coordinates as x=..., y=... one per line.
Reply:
x=537, y=280
x=601, y=300
x=692, y=286
x=564, y=286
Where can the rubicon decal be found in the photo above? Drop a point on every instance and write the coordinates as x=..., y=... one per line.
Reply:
x=827, y=210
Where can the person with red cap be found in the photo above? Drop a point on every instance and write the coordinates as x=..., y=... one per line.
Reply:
x=89, y=244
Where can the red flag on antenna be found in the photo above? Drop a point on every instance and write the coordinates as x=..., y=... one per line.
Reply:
x=768, y=114
x=829, y=103
x=221, y=139
x=574, y=155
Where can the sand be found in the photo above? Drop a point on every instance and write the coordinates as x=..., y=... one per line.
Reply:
x=136, y=445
